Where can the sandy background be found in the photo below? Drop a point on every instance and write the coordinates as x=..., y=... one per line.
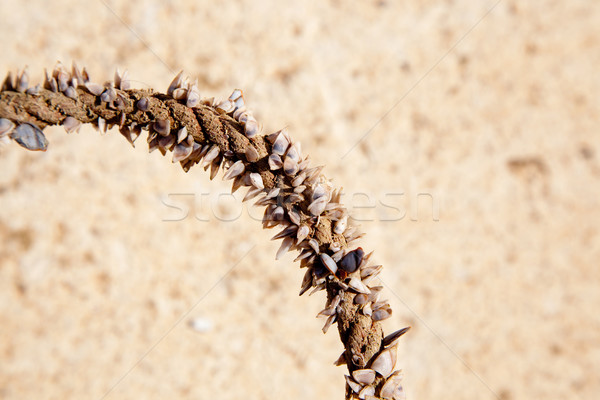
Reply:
x=477, y=183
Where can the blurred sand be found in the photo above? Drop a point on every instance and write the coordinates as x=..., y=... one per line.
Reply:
x=498, y=119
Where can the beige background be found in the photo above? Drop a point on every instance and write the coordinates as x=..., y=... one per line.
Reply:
x=480, y=127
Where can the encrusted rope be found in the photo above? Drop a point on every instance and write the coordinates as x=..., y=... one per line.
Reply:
x=298, y=198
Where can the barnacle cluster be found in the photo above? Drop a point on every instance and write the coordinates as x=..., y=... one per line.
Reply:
x=223, y=135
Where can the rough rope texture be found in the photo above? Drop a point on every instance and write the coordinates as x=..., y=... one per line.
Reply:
x=298, y=198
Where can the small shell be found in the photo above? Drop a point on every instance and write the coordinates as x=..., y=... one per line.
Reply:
x=364, y=376
x=385, y=361
x=314, y=245
x=94, y=88
x=288, y=231
x=280, y=145
x=143, y=104
x=257, y=180
x=297, y=181
x=175, y=83
x=278, y=214
x=361, y=298
x=381, y=314
x=102, y=125
x=71, y=125
x=290, y=166
x=286, y=244
x=252, y=193
x=182, y=134
x=236, y=169
x=22, y=81
x=328, y=323
x=193, y=97
x=180, y=93
x=356, y=284
x=329, y=263
x=340, y=225
x=392, y=338
x=225, y=107
x=392, y=389
x=351, y=261
x=251, y=127
x=275, y=162
x=341, y=360
x=326, y=312
x=302, y=233
x=211, y=155
x=30, y=137
x=317, y=207
x=353, y=385
x=35, y=90
x=251, y=154
x=294, y=216
x=6, y=126
x=162, y=126
x=71, y=93
x=182, y=151
x=366, y=391
x=108, y=95
x=237, y=93
x=294, y=152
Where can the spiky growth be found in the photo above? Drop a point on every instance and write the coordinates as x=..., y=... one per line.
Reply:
x=297, y=197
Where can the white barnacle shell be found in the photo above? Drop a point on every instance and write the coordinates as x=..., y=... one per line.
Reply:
x=290, y=230
x=71, y=125
x=294, y=152
x=35, y=90
x=6, y=126
x=329, y=263
x=211, y=155
x=108, y=95
x=314, y=245
x=317, y=207
x=326, y=312
x=328, y=323
x=278, y=214
x=294, y=217
x=175, y=83
x=70, y=92
x=275, y=162
x=252, y=193
x=290, y=166
x=356, y=284
x=76, y=72
x=297, y=181
x=193, y=97
x=385, y=361
x=94, y=88
x=364, y=376
x=180, y=93
x=365, y=392
x=302, y=233
x=30, y=137
x=361, y=298
x=143, y=104
x=286, y=244
x=280, y=144
x=162, y=126
x=392, y=388
x=341, y=360
x=340, y=225
x=273, y=193
x=353, y=385
x=257, y=180
x=225, y=107
x=22, y=81
x=236, y=94
x=393, y=337
x=182, y=134
x=251, y=127
x=251, y=154
x=102, y=125
x=381, y=314
x=182, y=151
x=236, y=169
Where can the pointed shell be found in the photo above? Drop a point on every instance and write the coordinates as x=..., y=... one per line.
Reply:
x=182, y=134
x=251, y=154
x=251, y=127
x=329, y=263
x=340, y=225
x=393, y=337
x=236, y=169
x=381, y=314
x=30, y=137
x=364, y=376
x=275, y=162
x=94, y=88
x=366, y=392
x=175, y=83
x=353, y=385
x=143, y=104
x=328, y=323
x=356, y=284
x=257, y=180
x=286, y=244
x=290, y=166
x=182, y=151
x=71, y=124
x=162, y=126
x=6, y=126
x=392, y=388
x=280, y=145
x=385, y=361
x=317, y=207
x=302, y=233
